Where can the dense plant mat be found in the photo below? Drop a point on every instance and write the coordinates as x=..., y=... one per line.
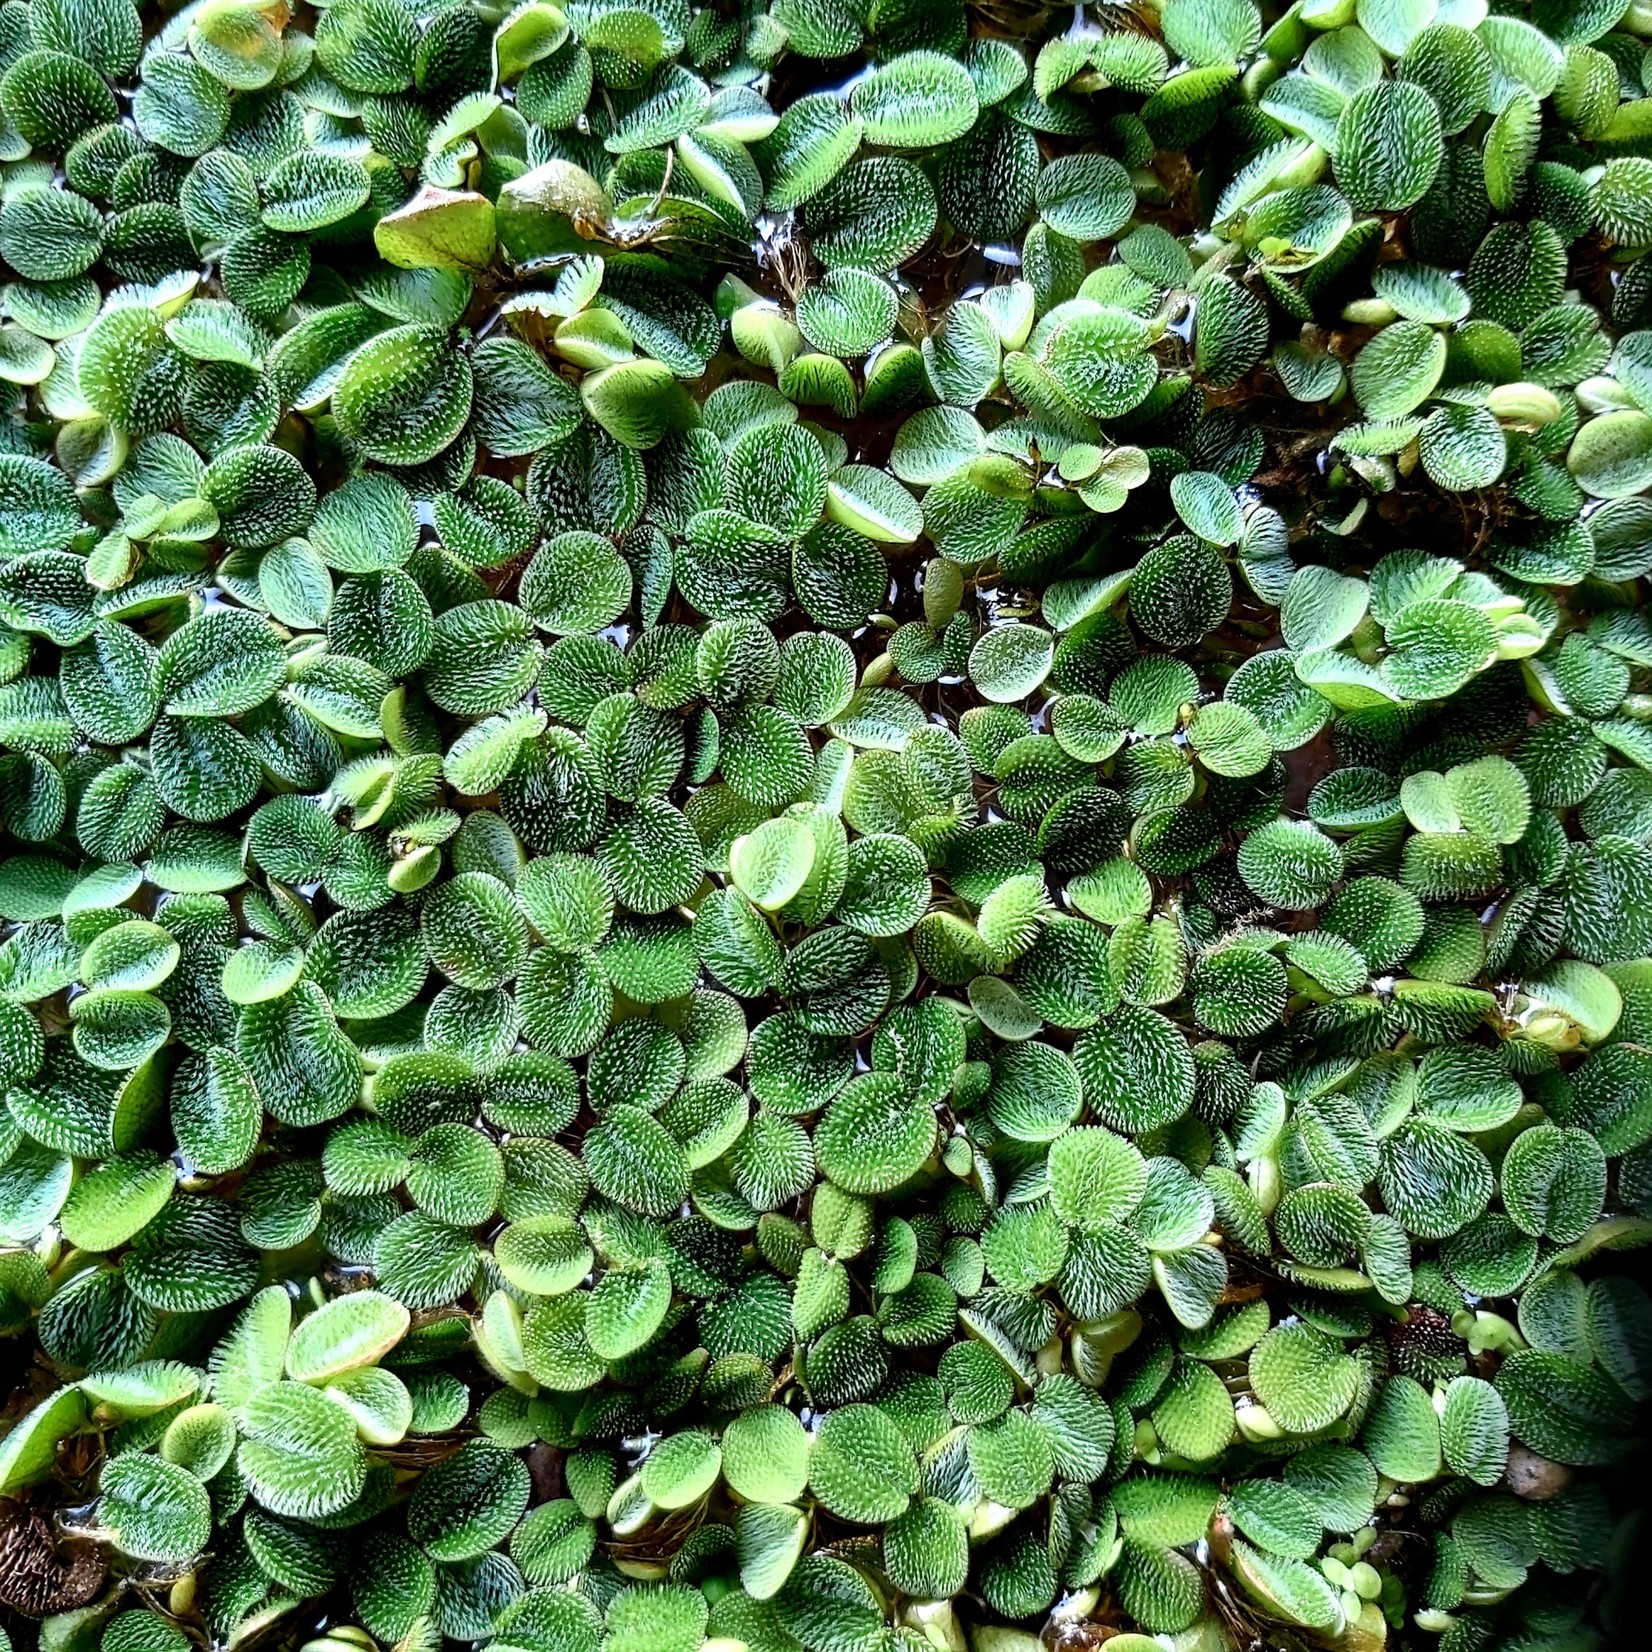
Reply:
x=824, y=829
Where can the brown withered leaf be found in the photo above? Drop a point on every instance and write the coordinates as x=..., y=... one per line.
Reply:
x=40, y=1571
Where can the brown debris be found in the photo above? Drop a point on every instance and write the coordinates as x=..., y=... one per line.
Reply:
x=1532, y=1477
x=1424, y=1333
x=41, y=1572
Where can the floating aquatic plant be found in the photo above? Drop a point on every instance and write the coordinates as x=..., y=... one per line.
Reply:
x=824, y=828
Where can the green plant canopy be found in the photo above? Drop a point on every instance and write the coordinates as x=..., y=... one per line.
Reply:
x=825, y=825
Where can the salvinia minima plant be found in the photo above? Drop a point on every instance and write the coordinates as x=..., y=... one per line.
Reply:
x=824, y=826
